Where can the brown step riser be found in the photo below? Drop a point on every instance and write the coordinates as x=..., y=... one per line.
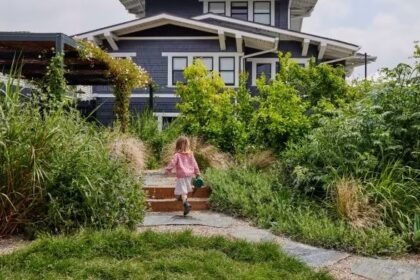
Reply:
x=165, y=193
x=173, y=206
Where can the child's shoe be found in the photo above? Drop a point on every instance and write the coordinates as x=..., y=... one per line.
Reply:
x=187, y=208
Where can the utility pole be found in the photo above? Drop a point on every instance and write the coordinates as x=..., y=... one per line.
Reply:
x=366, y=66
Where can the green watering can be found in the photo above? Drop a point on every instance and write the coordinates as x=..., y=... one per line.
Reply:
x=198, y=182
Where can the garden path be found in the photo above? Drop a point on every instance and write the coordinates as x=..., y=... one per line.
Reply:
x=340, y=264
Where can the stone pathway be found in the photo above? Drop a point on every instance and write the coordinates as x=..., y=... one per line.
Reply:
x=340, y=265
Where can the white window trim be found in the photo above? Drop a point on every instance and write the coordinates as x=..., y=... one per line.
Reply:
x=273, y=61
x=228, y=6
x=160, y=117
x=192, y=55
x=123, y=54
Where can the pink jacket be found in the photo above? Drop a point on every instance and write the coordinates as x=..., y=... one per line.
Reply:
x=185, y=164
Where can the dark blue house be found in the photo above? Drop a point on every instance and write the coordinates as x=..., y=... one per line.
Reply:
x=230, y=36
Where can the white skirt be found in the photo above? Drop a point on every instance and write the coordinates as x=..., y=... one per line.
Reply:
x=183, y=186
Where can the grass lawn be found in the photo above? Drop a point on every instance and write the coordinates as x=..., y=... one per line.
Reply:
x=124, y=255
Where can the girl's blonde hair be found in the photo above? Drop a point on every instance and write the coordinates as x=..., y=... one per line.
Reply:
x=182, y=145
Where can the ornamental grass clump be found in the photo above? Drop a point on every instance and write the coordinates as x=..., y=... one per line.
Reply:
x=129, y=150
x=124, y=74
x=56, y=174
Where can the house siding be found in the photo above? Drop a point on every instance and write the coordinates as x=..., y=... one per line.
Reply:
x=104, y=112
x=195, y=8
x=149, y=56
x=282, y=14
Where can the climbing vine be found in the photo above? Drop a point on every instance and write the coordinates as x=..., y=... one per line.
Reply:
x=125, y=75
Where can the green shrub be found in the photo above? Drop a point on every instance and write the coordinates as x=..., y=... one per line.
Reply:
x=209, y=111
x=56, y=174
x=260, y=197
x=280, y=116
x=376, y=140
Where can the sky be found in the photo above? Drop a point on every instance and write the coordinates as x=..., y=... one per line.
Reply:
x=384, y=28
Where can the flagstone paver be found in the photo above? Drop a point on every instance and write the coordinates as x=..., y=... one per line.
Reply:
x=385, y=269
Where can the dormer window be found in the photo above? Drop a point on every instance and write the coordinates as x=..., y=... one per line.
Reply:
x=258, y=11
x=218, y=8
x=262, y=12
x=239, y=10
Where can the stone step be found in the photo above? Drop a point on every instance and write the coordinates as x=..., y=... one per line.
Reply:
x=162, y=192
x=172, y=205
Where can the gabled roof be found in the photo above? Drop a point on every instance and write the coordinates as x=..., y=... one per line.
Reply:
x=333, y=50
x=283, y=34
x=111, y=33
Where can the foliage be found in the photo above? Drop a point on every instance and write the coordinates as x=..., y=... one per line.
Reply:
x=375, y=139
x=145, y=127
x=124, y=255
x=284, y=110
x=125, y=75
x=55, y=173
x=280, y=116
x=321, y=85
x=208, y=109
x=260, y=197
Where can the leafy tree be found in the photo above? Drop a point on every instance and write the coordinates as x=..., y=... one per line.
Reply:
x=208, y=109
x=280, y=116
x=315, y=83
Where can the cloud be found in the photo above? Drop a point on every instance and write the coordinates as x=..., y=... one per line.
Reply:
x=65, y=16
x=385, y=28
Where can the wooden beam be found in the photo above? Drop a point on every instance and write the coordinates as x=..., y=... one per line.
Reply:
x=239, y=43
x=222, y=40
x=322, y=48
x=305, y=47
x=111, y=38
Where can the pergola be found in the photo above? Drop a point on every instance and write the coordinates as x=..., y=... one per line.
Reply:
x=33, y=51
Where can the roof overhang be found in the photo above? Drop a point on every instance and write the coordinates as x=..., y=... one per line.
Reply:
x=332, y=46
x=113, y=33
x=300, y=9
x=136, y=7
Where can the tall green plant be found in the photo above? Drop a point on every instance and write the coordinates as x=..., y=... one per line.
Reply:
x=55, y=172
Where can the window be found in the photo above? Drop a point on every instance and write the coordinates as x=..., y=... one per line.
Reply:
x=166, y=121
x=239, y=10
x=217, y=8
x=178, y=66
x=208, y=61
x=264, y=68
x=262, y=12
x=227, y=70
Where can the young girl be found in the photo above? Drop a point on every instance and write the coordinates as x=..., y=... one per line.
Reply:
x=186, y=167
